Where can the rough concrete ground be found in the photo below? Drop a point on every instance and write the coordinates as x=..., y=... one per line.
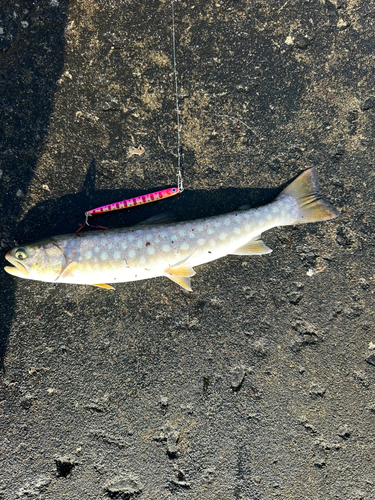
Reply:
x=260, y=383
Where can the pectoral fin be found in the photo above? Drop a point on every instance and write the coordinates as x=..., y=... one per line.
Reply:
x=253, y=247
x=182, y=268
x=104, y=285
x=182, y=281
x=68, y=271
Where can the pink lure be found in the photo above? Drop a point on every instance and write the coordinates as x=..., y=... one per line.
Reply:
x=134, y=202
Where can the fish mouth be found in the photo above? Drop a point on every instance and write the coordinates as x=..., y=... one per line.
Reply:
x=19, y=269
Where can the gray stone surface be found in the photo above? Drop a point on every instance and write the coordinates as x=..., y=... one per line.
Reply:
x=260, y=383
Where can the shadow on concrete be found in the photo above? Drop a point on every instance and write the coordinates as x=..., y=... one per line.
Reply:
x=32, y=47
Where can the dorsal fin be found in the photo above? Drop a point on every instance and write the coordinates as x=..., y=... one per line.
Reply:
x=182, y=281
x=164, y=218
x=253, y=247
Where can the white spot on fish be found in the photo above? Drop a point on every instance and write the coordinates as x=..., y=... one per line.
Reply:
x=181, y=233
x=166, y=248
x=201, y=241
x=237, y=230
x=130, y=237
x=210, y=231
x=275, y=209
x=115, y=239
x=185, y=246
x=142, y=260
x=227, y=222
x=257, y=214
x=109, y=246
x=222, y=236
x=124, y=245
x=104, y=256
x=217, y=223
x=199, y=228
x=173, y=238
x=191, y=235
x=150, y=250
x=269, y=216
x=117, y=255
x=157, y=240
x=139, y=243
x=132, y=254
x=96, y=249
x=88, y=255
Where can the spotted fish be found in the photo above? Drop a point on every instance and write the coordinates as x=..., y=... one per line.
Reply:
x=171, y=250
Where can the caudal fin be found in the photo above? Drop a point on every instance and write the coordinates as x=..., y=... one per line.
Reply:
x=312, y=208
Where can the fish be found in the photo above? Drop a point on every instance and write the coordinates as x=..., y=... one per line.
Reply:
x=145, y=251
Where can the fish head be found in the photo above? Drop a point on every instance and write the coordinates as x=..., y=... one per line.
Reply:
x=42, y=260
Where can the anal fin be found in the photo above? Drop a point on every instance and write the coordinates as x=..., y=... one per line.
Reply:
x=253, y=247
x=184, y=282
x=182, y=268
x=104, y=285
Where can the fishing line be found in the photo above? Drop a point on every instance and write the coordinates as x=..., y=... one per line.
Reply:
x=179, y=156
x=158, y=195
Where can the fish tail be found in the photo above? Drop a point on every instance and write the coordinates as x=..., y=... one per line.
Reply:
x=312, y=208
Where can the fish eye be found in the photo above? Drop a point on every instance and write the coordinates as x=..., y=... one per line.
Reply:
x=21, y=254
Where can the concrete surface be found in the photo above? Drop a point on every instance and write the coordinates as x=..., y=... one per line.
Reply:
x=260, y=383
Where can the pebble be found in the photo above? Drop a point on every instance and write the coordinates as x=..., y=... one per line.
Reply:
x=172, y=440
x=317, y=391
x=371, y=359
x=237, y=377
x=344, y=432
x=171, y=436
x=368, y=103
x=164, y=401
x=124, y=487
x=181, y=480
x=260, y=348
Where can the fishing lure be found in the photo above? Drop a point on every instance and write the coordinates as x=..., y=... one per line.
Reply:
x=132, y=202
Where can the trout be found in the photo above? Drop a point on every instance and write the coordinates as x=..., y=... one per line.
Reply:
x=172, y=250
